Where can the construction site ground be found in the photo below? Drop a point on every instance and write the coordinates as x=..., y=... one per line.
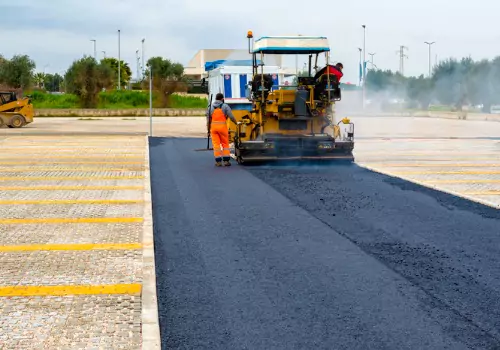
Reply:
x=395, y=251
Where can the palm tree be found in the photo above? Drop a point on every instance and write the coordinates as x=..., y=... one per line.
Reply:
x=40, y=79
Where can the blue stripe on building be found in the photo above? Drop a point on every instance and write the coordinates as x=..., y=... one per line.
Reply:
x=243, y=83
x=275, y=81
x=227, y=86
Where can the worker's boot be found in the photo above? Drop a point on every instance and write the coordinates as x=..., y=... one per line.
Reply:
x=218, y=162
x=226, y=162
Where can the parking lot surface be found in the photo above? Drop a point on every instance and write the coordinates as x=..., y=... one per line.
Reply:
x=72, y=216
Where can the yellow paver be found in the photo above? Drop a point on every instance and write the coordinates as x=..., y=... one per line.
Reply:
x=434, y=165
x=458, y=172
x=65, y=162
x=24, y=291
x=70, y=201
x=71, y=188
x=464, y=181
x=30, y=170
x=80, y=156
x=60, y=247
x=51, y=178
x=69, y=221
x=482, y=193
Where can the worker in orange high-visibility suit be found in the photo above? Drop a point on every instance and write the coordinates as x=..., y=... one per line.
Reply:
x=217, y=115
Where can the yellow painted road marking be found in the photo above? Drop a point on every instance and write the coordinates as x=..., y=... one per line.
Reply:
x=63, y=162
x=447, y=172
x=85, y=246
x=390, y=158
x=69, y=178
x=71, y=201
x=437, y=153
x=420, y=165
x=69, y=221
x=72, y=188
x=10, y=170
x=75, y=147
x=84, y=156
x=465, y=181
x=75, y=152
x=483, y=193
x=26, y=291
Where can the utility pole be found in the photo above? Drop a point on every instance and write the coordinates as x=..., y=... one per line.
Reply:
x=142, y=73
x=430, y=44
x=364, y=64
x=402, y=56
x=119, y=62
x=95, y=52
x=371, y=60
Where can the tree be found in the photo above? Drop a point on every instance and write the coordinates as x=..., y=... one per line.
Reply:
x=17, y=72
x=168, y=77
x=52, y=82
x=39, y=79
x=450, y=79
x=125, y=71
x=419, y=91
x=86, y=78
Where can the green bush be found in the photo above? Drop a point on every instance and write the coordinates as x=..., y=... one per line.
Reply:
x=188, y=102
x=50, y=101
x=124, y=99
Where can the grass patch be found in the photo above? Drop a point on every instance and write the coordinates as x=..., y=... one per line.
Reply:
x=124, y=99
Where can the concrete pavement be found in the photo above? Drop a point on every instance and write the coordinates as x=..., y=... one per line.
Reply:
x=75, y=243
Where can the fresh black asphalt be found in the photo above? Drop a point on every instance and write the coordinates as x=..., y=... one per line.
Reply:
x=317, y=257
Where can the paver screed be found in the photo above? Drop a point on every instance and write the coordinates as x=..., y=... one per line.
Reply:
x=71, y=241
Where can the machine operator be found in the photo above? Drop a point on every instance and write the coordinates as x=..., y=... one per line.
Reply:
x=217, y=115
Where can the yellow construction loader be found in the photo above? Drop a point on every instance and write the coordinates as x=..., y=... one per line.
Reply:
x=288, y=122
x=15, y=113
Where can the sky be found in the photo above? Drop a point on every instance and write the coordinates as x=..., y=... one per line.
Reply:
x=54, y=33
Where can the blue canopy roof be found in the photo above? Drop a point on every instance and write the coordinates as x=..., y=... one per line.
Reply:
x=291, y=45
x=215, y=64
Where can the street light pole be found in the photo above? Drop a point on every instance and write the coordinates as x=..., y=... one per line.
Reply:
x=364, y=62
x=119, y=63
x=430, y=44
x=138, y=61
x=104, y=53
x=151, y=101
x=142, y=72
x=360, y=64
x=95, y=52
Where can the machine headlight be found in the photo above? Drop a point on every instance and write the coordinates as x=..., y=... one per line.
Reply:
x=269, y=145
x=325, y=145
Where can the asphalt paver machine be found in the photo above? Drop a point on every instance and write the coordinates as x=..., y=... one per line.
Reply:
x=291, y=122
